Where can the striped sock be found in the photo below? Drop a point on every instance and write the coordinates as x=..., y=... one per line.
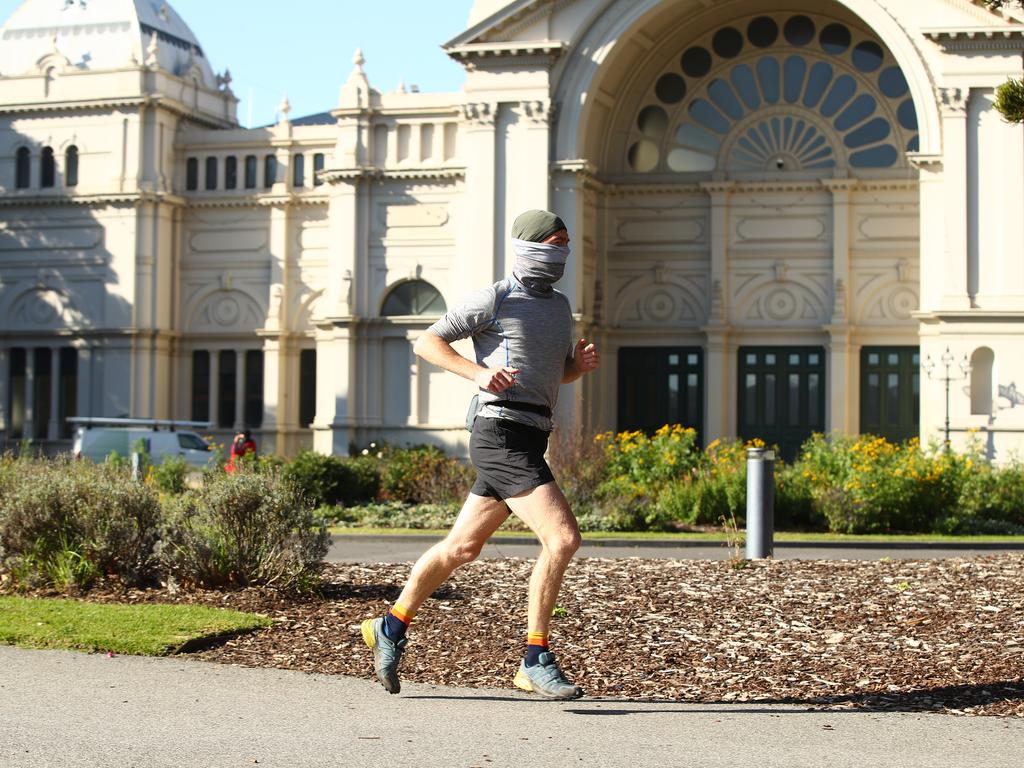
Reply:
x=396, y=621
x=536, y=644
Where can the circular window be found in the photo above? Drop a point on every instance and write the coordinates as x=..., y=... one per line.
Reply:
x=670, y=88
x=867, y=56
x=727, y=43
x=696, y=61
x=835, y=39
x=799, y=30
x=763, y=31
x=652, y=121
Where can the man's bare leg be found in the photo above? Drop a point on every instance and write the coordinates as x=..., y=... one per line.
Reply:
x=479, y=518
x=545, y=510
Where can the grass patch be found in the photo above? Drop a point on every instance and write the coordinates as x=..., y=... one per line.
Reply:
x=139, y=630
x=712, y=536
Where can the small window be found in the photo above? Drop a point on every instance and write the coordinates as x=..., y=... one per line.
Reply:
x=253, y=407
x=250, y=171
x=47, y=168
x=298, y=171
x=23, y=169
x=71, y=166
x=190, y=442
x=414, y=297
x=192, y=174
x=307, y=387
x=200, y=385
x=318, y=165
x=231, y=172
x=211, y=173
x=269, y=171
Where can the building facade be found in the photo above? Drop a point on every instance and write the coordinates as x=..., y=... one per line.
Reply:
x=784, y=221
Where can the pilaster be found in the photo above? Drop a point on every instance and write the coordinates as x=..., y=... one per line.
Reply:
x=477, y=237
x=954, y=263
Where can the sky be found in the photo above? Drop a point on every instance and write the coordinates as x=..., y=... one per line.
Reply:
x=304, y=48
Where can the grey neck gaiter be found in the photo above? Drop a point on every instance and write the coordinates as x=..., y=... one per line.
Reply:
x=538, y=265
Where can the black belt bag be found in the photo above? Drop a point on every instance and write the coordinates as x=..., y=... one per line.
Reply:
x=474, y=409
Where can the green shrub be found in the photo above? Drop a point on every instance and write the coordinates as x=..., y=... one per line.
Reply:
x=241, y=529
x=650, y=462
x=578, y=464
x=330, y=480
x=423, y=475
x=394, y=514
x=170, y=474
x=69, y=523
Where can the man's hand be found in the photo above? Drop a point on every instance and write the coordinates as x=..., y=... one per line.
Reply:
x=496, y=380
x=586, y=357
x=584, y=360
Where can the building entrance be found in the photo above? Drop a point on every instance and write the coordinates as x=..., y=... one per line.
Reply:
x=660, y=385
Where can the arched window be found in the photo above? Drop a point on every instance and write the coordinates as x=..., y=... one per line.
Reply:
x=47, y=168
x=192, y=174
x=211, y=173
x=298, y=170
x=250, y=171
x=981, y=380
x=23, y=168
x=775, y=93
x=269, y=171
x=71, y=166
x=318, y=165
x=230, y=172
x=413, y=297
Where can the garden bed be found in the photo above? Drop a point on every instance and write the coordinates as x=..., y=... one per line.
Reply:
x=935, y=635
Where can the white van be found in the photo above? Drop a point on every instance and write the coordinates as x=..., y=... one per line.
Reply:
x=96, y=439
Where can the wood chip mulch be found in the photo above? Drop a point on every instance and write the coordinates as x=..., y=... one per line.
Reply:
x=940, y=635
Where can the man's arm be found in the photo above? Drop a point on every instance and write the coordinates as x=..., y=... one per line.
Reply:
x=439, y=352
x=584, y=360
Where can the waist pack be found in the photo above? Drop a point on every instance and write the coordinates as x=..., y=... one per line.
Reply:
x=474, y=409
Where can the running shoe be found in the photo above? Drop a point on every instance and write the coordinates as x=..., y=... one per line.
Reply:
x=386, y=653
x=546, y=679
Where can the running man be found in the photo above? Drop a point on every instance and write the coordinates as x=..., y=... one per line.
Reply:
x=522, y=336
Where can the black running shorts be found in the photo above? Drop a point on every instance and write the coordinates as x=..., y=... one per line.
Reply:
x=508, y=456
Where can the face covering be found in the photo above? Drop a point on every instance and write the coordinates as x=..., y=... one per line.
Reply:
x=538, y=265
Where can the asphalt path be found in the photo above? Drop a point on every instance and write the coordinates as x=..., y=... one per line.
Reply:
x=60, y=709
x=361, y=548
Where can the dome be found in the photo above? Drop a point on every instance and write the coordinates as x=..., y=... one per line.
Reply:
x=100, y=34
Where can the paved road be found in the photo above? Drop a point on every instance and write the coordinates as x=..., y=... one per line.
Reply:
x=399, y=549
x=62, y=709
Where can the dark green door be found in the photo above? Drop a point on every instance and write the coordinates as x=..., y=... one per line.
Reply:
x=660, y=385
x=781, y=395
x=890, y=392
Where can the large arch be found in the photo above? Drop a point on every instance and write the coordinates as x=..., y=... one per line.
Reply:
x=618, y=44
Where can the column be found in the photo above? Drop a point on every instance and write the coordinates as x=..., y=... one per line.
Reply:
x=334, y=423
x=215, y=387
x=5, y=395
x=842, y=366
x=53, y=428
x=954, y=263
x=29, y=432
x=240, y=390
x=719, y=383
x=475, y=256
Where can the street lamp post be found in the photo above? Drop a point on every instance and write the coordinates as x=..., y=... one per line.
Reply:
x=947, y=360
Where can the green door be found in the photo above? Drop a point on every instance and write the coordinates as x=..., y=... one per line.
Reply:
x=890, y=392
x=660, y=385
x=781, y=395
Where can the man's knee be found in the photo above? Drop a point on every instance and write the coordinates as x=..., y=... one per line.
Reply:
x=462, y=551
x=563, y=544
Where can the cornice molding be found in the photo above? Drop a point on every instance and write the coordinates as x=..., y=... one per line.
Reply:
x=447, y=173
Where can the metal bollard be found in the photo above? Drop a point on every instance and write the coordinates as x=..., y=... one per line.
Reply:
x=760, y=502
x=136, y=466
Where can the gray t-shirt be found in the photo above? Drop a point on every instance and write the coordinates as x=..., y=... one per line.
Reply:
x=515, y=327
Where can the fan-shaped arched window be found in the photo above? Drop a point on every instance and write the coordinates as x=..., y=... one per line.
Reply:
x=413, y=297
x=47, y=168
x=776, y=93
x=982, y=361
x=22, y=168
x=71, y=166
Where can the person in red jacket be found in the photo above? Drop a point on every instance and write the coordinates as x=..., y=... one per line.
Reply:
x=242, y=445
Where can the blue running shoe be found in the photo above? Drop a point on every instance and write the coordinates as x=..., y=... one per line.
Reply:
x=386, y=653
x=546, y=679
